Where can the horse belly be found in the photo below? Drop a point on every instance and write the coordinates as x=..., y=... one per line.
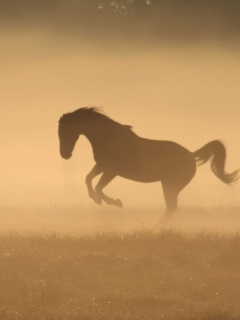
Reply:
x=141, y=176
x=141, y=170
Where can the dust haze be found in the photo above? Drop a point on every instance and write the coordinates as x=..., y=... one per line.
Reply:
x=170, y=70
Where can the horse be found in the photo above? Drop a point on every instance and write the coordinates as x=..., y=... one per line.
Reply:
x=118, y=151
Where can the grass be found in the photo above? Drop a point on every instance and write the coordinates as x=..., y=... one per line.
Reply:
x=128, y=275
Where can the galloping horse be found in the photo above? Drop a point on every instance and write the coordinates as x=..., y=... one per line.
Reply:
x=118, y=151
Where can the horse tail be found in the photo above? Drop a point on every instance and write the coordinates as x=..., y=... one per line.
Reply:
x=217, y=151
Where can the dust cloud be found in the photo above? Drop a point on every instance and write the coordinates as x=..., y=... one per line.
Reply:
x=170, y=71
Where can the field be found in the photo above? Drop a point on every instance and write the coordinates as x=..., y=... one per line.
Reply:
x=67, y=263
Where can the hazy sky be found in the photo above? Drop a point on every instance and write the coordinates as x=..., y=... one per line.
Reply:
x=169, y=68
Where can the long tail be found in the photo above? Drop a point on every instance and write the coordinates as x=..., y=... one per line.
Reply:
x=217, y=151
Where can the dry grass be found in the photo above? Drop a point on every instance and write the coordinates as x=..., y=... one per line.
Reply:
x=140, y=274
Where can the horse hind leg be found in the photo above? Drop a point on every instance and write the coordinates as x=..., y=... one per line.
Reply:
x=102, y=183
x=170, y=196
x=174, y=184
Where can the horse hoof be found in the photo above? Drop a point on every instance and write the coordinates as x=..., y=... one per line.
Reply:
x=118, y=203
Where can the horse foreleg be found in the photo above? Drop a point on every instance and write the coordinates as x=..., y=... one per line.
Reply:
x=104, y=180
x=96, y=170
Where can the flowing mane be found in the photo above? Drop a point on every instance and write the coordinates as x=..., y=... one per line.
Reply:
x=92, y=113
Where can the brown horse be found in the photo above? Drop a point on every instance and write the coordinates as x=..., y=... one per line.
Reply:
x=118, y=151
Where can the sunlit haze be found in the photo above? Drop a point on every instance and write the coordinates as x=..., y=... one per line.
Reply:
x=174, y=81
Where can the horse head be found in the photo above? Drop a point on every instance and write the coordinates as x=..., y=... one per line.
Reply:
x=68, y=134
x=80, y=121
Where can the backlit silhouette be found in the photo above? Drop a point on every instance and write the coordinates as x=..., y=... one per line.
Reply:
x=118, y=151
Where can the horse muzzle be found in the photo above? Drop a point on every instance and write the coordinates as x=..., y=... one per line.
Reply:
x=65, y=156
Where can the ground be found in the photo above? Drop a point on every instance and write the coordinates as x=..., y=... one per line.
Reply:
x=174, y=273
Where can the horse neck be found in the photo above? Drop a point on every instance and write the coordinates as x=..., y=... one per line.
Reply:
x=96, y=133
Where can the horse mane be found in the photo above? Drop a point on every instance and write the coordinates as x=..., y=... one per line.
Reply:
x=94, y=113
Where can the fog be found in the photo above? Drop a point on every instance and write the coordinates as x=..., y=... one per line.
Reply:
x=171, y=72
